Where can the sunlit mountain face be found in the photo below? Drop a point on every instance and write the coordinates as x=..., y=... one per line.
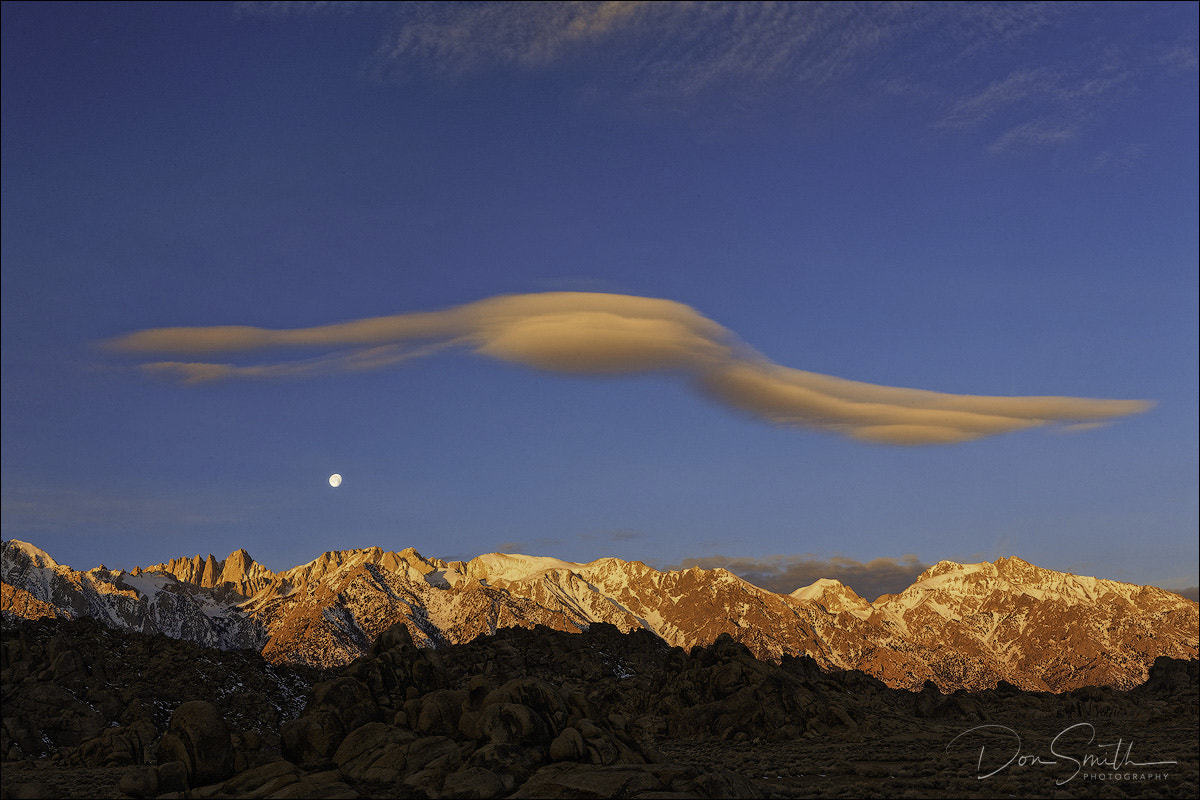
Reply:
x=368, y=673
x=959, y=626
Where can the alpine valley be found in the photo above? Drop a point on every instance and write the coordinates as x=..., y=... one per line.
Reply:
x=960, y=626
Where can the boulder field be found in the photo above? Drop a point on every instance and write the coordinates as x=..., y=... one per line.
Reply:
x=89, y=711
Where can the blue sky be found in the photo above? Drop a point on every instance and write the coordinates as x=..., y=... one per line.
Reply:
x=978, y=200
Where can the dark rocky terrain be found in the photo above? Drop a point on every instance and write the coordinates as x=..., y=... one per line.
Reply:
x=89, y=711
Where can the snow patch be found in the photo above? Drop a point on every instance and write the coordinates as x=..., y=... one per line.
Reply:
x=514, y=567
x=40, y=558
x=817, y=588
x=147, y=584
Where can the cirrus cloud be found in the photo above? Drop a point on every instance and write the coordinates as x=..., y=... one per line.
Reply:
x=996, y=70
x=585, y=333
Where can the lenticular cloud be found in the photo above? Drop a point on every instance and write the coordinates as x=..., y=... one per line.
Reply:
x=614, y=334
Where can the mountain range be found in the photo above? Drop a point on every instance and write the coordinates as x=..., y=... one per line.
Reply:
x=959, y=626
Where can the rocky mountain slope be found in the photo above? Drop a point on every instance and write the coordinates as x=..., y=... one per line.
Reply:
x=35, y=586
x=959, y=626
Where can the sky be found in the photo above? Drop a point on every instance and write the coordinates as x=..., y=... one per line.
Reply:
x=803, y=290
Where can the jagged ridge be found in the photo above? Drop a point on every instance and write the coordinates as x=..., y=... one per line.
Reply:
x=959, y=626
x=36, y=586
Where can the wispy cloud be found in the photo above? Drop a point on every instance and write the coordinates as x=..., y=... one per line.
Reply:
x=1035, y=107
x=455, y=39
x=586, y=333
x=1080, y=427
x=659, y=49
x=969, y=65
x=359, y=360
x=1121, y=159
x=685, y=47
x=785, y=574
x=1017, y=88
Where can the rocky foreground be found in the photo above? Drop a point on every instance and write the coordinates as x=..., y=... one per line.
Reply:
x=93, y=712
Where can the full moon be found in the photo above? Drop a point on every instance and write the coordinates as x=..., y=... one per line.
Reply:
x=335, y=480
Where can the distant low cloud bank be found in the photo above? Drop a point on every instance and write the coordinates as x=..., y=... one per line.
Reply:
x=869, y=579
x=585, y=333
x=786, y=574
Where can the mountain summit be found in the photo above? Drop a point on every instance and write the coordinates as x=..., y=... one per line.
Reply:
x=238, y=573
x=959, y=625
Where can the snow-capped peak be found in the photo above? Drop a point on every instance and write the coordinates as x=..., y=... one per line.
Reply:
x=511, y=567
x=835, y=596
x=817, y=588
x=40, y=558
x=961, y=625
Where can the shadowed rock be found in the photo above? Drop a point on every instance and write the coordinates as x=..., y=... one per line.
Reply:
x=525, y=713
x=199, y=738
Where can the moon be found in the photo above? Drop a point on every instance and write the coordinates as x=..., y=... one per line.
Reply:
x=335, y=480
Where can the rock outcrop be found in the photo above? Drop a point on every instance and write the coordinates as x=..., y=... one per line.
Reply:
x=237, y=575
x=527, y=712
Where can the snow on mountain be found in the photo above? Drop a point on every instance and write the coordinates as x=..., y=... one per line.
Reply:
x=497, y=567
x=901, y=640
x=835, y=597
x=958, y=625
x=1034, y=627
x=816, y=589
x=146, y=602
x=39, y=558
